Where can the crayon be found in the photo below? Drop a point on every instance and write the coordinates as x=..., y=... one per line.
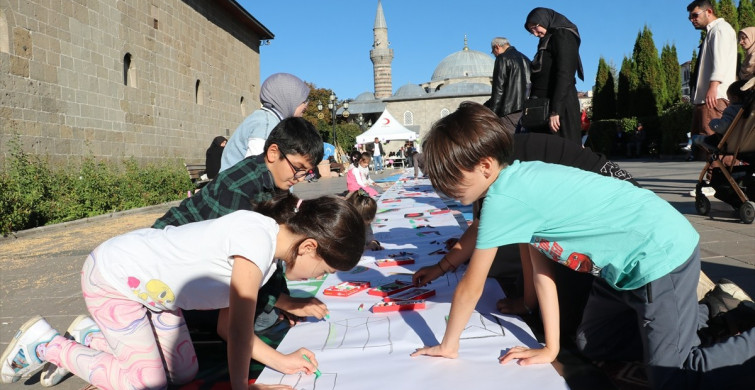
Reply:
x=317, y=370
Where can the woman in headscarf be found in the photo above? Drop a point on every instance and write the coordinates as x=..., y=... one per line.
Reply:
x=553, y=68
x=283, y=95
x=213, y=155
x=747, y=41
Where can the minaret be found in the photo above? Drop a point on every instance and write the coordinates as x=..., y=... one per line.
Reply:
x=381, y=56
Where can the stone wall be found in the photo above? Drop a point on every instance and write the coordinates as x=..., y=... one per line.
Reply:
x=193, y=74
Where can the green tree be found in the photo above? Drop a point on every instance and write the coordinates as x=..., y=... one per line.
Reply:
x=746, y=13
x=728, y=11
x=604, y=95
x=651, y=92
x=693, y=62
x=323, y=121
x=625, y=98
x=672, y=72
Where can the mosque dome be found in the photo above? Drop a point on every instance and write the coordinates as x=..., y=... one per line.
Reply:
x=465, y=89
x=365, y=96
x=410, y=91
x=464, y=63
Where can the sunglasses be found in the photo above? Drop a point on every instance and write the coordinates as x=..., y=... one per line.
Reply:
x=694, y=15
x=298, y=173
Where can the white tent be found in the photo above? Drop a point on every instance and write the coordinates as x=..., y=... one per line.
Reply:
x=386, y=128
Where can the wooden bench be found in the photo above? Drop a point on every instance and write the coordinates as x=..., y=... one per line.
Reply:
x=196, y=171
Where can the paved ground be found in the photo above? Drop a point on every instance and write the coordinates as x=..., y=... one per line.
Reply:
x=39, y=268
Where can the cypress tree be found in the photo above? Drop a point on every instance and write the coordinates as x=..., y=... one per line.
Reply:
x=746, y=13
x=604, y=95
x=627, y=85
x=651, y=88
x=672, y=72
x=728, y=11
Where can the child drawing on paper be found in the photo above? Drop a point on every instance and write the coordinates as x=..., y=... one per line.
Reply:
x=644, y=254
x=358, y=176
x=367, y=208
x=213, y=264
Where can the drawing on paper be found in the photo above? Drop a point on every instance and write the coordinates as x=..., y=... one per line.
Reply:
x=301, y=381
x=480, y=327
x=360, y=333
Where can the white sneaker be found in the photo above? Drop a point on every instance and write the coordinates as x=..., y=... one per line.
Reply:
x=732, y=289
x=707, y=191
x=25, y=352
x=81, y=329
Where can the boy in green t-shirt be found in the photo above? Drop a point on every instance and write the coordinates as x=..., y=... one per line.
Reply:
x=643, y=251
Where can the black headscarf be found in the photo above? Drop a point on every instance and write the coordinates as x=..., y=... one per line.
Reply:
x=551, y=20
x=214, y=152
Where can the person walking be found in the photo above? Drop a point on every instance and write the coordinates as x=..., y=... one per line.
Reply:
x=553, y=69
x=377, y=152
x=747, y=42
x=716, y=68
x=511, y=82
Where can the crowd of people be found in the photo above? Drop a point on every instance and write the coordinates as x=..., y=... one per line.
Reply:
x=225, y=253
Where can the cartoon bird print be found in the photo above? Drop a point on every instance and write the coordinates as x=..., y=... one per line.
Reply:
x=160, y=292
x=156, y=292
x=579, y=262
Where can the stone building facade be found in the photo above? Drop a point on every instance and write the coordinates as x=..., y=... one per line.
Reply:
x=120, y=78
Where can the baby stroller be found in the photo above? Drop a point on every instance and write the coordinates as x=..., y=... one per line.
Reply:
x=734, y=181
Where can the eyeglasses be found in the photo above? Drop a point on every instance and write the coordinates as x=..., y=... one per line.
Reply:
x=298, y=173
x=532, y=29
x=694, y=15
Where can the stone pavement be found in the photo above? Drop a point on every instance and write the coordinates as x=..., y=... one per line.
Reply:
x=40, y=267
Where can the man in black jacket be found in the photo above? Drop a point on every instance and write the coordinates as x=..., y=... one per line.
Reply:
x=511, y=79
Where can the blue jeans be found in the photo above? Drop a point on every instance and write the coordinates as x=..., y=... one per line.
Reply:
x=378, y=162
x=659, y=323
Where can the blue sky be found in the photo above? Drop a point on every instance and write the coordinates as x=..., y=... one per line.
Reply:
x=327, y=42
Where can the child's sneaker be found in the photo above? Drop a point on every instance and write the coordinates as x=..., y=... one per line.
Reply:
x=81, y=330
x=26, y=350
x=733, y=290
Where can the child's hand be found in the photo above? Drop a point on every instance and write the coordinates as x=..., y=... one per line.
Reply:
x=294, y=362
x=438, y=350
x=302, y=307
x=375, y=246
x=426, y=274
x=529, y=356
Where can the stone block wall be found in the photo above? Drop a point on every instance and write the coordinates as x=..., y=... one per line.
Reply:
x=193, y=74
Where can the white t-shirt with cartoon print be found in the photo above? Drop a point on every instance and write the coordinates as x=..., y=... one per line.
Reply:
x=188, y=266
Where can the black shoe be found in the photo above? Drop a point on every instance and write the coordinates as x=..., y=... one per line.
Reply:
x=730, y=323
x=719, y=301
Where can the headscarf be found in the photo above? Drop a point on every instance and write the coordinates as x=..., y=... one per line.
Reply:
x=282, y=93
x=747, y=70
x=213, y=155
x=551, y=20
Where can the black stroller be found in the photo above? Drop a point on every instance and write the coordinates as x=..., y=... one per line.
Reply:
x=730, y=169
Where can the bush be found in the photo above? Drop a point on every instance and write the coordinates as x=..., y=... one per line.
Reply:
x=35, y=194
x=676, y=122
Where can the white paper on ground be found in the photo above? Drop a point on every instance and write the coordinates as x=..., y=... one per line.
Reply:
x=358, y=349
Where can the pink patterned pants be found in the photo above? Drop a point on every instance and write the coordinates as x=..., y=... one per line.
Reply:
x=138, y=348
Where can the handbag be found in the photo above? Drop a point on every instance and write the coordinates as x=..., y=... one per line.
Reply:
x=536, y=112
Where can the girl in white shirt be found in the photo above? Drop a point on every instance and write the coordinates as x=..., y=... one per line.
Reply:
x=136, y=284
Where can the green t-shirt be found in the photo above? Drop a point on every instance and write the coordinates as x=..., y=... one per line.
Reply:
x=588, y=222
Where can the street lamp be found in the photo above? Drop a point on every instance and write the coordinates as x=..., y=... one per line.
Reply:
x=362, y=125
x=333, y=104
